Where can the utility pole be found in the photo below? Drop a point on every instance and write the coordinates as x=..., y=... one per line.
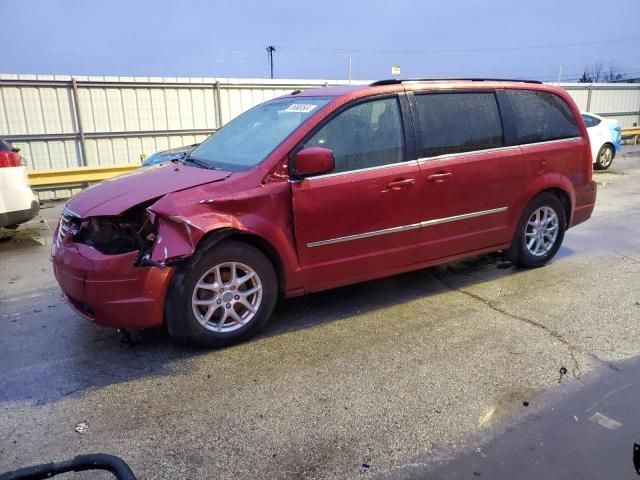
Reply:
x=559, y=74
x=270, y=50
x=349, y=69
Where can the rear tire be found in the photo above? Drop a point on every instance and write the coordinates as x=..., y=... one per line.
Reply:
x=222, y=296
x=605, y=157
x=539, y=233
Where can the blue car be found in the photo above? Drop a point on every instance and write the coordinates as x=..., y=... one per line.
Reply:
x=168, y=155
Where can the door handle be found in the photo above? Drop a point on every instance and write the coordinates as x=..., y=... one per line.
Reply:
x=400, y=184
x=439, y=177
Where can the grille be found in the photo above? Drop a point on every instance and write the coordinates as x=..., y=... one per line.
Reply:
x=67, y=222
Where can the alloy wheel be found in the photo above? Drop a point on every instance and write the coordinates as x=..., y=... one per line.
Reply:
x=227, y=297
x=541, y=231
x=606, y=157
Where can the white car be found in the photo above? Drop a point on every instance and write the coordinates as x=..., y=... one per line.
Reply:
x=601, y=136
x=18, y=203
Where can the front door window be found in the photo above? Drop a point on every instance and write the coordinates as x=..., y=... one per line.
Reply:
x=366, y=135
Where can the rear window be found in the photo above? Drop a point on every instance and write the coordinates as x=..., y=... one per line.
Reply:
x=590, y=121
x=4, y=145
x=457, y=122
x=541, y=116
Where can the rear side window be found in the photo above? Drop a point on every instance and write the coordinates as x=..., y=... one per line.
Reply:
x=457, y=122
x=541, y=116
x=369, y=134
x=590, y=121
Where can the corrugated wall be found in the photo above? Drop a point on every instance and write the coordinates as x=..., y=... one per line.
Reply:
x=611, y=100
x=115, y=120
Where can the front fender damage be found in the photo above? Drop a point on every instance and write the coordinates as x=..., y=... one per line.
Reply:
x=177, y=238
x=183, y=220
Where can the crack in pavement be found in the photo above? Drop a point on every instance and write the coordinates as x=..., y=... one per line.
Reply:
x=576, y=371
x=626, y=256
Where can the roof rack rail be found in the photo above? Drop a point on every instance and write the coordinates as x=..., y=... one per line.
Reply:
x=396, y=81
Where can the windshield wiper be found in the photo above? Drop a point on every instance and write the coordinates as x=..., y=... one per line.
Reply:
x=180, y=159
x=199, y=163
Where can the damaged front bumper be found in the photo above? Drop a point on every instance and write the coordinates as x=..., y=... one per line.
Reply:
x=108, y=289
x=115, y=270
x=111, y=289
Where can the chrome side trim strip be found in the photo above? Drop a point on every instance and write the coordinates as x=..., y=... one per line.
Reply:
x=360, y=170
x=358, y=236
x=464, y=216
x=497, y=149
x=465, y=154
x=572, y=139
x=404, y=228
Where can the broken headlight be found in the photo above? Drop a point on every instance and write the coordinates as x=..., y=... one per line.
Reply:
x=129, y=232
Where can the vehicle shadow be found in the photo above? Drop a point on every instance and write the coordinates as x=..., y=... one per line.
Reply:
x=333, y=305
x=52, y=354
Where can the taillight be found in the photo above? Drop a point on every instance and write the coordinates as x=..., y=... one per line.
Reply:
x=10, y=159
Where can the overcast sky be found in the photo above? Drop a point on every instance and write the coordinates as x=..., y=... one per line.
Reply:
x=313, y=39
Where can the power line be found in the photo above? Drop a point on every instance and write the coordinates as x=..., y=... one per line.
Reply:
x=576, y=76
x=462, y=50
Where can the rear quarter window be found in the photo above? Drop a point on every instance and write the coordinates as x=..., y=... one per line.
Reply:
x=541, y=116
x=590, y=121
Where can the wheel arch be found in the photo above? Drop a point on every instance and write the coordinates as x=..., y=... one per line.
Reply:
x=564, y=198
x=552, y=183
x=214, y=237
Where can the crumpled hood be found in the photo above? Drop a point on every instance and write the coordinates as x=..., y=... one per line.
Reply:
x=114, y=196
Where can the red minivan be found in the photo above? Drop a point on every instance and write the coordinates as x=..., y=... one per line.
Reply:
x=324, y=188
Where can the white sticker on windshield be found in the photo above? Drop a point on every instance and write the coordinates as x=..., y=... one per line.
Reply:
x=300, y=107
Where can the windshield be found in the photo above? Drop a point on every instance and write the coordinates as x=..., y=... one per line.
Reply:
x=246, y=141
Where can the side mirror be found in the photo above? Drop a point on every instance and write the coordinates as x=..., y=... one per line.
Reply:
x=15, y=150
x=313, y=161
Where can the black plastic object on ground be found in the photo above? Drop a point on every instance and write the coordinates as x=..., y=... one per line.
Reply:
x=94, y=461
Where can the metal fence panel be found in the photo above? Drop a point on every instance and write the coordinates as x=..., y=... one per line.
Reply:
x=51, y=154
x=115, y=120
x=612, y=100
x=581, y=97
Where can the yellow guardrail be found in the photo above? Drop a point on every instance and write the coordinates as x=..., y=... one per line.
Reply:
x=633, y=133
x=75, y=176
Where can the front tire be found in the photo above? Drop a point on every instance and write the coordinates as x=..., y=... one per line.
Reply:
x=605, y=158
x=222, y=296
x=539, y=233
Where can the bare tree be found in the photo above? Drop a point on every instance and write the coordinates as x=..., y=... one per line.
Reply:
x=612, y=74
x=598, y=73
